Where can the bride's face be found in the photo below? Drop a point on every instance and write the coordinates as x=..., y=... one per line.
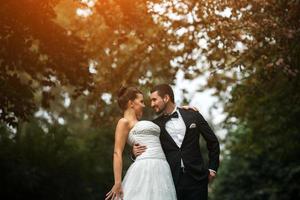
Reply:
x=138, y=105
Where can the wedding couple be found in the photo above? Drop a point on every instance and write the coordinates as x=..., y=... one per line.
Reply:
x=168, y=164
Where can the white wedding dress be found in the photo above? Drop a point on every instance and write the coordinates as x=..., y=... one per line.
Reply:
x=149, y=177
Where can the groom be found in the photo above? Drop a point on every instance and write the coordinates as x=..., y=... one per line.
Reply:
x=180, y=132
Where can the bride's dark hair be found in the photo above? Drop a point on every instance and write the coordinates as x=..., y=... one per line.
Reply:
x=125, y=94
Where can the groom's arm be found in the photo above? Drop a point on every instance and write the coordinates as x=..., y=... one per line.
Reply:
x=212, y=142
x=137, y=150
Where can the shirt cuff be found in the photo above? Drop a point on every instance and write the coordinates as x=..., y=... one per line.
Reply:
x=211, y=170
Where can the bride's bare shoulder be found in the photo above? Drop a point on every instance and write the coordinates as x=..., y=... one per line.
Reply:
x=123, y=121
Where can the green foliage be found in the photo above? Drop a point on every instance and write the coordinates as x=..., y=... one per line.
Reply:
x=263, y=144
x=261, y=153
x=35, y=52
x=251, y=173
x=53, y=163
x=256, y=177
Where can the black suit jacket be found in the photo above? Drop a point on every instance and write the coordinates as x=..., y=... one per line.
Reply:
x=189, y=151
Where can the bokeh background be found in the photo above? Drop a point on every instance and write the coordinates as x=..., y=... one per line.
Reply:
x=63, y=61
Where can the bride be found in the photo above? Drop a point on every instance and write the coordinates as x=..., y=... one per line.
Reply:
x=149, y=177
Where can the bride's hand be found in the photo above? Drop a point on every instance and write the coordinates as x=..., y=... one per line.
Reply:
x=189, y=107
x=115, y=193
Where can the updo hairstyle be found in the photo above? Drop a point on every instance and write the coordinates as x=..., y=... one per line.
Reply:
x=125, y=94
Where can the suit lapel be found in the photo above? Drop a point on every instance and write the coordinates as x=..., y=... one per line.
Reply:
x=187, y=122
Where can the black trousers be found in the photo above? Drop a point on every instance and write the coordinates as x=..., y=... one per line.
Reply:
x=189, y=188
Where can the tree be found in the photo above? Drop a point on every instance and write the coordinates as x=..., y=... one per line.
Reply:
x=145, y=42
x=36, y=53
x=48, y=161
x=263, y=141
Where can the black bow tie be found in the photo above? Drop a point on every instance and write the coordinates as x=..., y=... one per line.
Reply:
x=173, y=115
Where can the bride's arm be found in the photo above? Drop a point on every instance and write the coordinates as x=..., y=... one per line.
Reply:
x=121, y=135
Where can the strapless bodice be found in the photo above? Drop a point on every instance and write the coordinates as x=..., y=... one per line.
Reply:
x=147, y=133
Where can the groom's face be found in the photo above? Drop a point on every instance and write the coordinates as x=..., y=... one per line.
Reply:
x=157, y=102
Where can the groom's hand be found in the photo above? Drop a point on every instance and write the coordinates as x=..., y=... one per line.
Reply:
x=211, y=175
x=138, y=149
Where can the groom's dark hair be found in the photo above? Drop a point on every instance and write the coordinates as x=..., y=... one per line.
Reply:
x=164, y=89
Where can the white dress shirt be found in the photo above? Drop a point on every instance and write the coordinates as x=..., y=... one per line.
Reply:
x=176, y=129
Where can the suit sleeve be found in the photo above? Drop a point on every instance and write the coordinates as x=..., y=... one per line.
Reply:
x=212, y=142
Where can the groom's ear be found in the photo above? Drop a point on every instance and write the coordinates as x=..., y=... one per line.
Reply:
x=166, y=98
